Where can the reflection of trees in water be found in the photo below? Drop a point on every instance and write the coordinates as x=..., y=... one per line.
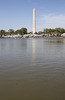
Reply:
x=19, y=44
x=55, y=41
x=23, y=43
x=54, y=45
x=3, y=44
x=13, y=44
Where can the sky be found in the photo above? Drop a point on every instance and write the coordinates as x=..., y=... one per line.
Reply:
x=16, y=14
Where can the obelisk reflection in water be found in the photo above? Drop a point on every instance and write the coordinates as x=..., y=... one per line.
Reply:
x=33, y=51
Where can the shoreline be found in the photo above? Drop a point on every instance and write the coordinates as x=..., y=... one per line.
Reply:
x=31, y=36
x=35, y=37
x=53, y=37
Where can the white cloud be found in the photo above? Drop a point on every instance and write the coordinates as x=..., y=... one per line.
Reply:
x=50, y=21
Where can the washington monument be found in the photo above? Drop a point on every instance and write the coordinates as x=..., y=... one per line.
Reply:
x=34, y=25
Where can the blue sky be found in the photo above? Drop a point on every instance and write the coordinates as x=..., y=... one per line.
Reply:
x=15, y=14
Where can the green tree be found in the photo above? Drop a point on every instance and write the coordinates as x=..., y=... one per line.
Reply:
x=40, y=32
x=24, y=31
x=2, y=32
x=59, y=31
x=30, y=33
x=21, y=31
x=47, y=31
x=54, y=32
x=17, y=32
x=7, y=33
x=11, y=31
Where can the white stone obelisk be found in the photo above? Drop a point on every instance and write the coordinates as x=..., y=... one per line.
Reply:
x=34, y=26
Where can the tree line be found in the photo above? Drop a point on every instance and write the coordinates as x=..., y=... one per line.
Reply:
x=53, y=32
x=21, y=31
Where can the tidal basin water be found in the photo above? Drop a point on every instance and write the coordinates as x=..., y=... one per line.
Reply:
x=32, y=69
